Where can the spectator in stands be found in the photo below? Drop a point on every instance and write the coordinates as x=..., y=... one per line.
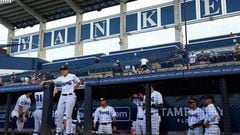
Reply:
x=144, y=62
x=237, y=51
x=203, y=57
x=144, y=65
x=237, y=48
x=192, y=58
x=117, y=68
x=232, y=35
x=13, y=78
x=1, y=82
x=185, y=58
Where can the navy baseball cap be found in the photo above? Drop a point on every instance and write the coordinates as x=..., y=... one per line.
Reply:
x=103, y=98
x=135, y=96
x=191, y=100
x=64, y=67
x=209, y=97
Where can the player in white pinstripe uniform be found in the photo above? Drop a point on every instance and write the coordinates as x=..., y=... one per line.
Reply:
x=156, y=104
x=195, y=118
x=106, y=117
x=212, y=117
x=139, y=124
x=37, y=114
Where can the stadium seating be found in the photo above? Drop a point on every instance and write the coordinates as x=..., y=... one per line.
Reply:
x=159, y=56
x=178, y=44
x=133, y=57
x=85, y=56
x=20, y=63
x=212, y=44
x=213, y=38
x=72, y=63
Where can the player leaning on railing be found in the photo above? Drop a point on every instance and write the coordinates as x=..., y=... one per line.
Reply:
x=68, y=83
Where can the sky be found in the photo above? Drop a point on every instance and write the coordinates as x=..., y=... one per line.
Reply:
x=195, y=31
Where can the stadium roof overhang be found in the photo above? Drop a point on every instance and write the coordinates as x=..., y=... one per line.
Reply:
x=27, y=13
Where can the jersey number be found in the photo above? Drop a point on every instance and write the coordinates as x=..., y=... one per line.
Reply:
x=39, y=98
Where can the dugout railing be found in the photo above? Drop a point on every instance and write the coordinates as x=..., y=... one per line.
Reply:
x=47, y=105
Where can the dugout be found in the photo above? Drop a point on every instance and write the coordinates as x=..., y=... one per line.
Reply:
x=176, y=87
x=176, y=91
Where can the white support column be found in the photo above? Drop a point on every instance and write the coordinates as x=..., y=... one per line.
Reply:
x=78, y=39
x=11, y=34
x=41, y=50
x=178, y=20
x=123, y=25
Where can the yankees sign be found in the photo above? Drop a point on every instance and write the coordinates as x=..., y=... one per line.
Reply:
x=141, y=20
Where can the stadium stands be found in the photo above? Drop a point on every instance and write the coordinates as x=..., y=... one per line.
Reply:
x=213, y=44
x=85, y=56
x=72, y=63
x=20, y=63
x=133, y=57
x=214, y=38
x=164, y=56
x=178, y=44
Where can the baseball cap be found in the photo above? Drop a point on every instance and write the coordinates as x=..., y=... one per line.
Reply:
x=191, y=100
x=135, y=96
x=209, y=97
x=103, y=98
x=64, y=67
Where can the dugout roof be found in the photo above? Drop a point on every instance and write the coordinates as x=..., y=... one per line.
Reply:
x=23, y=13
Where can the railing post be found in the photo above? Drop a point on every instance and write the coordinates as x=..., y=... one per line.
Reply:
x=225, y=104
x=148, y=109
x=88, y=110
x=9, y=102
x=47, y=110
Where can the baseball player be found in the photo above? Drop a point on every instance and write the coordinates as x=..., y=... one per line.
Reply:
x=68, y=82
x=212, y=117
x=37, y=114
x=156, y=104
x=106, y=117
x=139, y=124
x=75, y=120
x=195, y=118
x=20, y=112
x=63, y=123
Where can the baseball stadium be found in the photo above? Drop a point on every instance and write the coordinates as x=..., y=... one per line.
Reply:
x=120, y=67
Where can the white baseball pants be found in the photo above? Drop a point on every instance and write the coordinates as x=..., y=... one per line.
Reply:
x=212, y=130
x=65, y=103
x=196, y=131
x=37, y=115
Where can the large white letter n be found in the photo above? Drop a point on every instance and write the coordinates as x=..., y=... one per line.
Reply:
x=210, y=8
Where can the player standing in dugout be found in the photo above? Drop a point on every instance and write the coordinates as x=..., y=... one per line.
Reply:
x=37, y=114
x=156, y=104
x=68, y=82
x=195, y=118
x=212, y=117
x=105, y=115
